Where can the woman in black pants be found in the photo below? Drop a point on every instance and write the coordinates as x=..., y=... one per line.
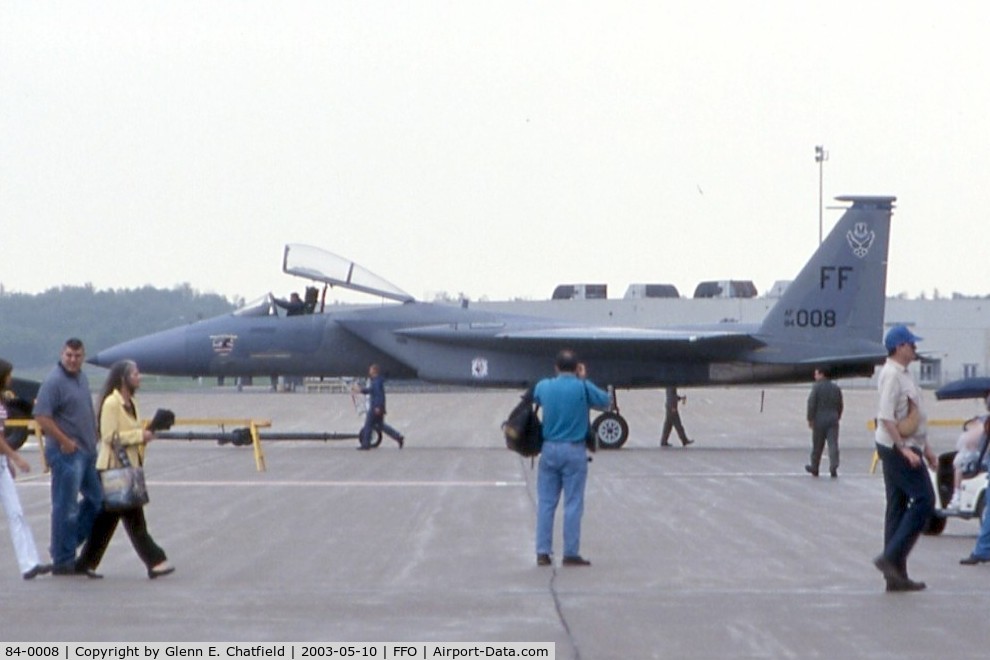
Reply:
x=119, y=416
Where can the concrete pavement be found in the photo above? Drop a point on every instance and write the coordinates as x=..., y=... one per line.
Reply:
x=724, y=549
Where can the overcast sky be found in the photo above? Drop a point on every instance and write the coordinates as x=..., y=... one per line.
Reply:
x=489, y=148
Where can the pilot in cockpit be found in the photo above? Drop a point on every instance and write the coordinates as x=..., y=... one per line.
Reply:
x=294, y=306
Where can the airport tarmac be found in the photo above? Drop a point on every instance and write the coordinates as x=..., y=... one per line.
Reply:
x=723, y=549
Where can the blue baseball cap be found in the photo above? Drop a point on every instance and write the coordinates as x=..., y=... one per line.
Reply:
x=898, y=335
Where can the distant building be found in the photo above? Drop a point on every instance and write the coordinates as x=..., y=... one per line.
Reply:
x=580, y=292
x=726, y=289
x=640, y=291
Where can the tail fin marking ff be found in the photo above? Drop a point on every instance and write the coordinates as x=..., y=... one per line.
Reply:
x=835, y=306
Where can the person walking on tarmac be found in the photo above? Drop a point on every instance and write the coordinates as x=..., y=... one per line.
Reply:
x=64, y=411
x=20, y=532
x=824, y=413
x=902, y=445
x=120, y=421
x=672, y=419
x=374, y=420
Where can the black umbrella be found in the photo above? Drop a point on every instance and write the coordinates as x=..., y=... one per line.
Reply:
x=964, y=388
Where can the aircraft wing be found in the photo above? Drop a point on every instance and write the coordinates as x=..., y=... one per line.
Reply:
x=624, y=335
x=595, y=340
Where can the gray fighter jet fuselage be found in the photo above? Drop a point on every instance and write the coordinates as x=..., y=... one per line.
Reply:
x=831, y=314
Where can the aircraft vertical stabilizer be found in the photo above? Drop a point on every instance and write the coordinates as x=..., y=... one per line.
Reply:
x=836, y=303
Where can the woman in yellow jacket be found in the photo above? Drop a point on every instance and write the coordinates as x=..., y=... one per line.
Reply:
x=119, y=415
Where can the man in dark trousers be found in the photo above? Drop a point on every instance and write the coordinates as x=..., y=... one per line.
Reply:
x=374, y=420
x=903, y=450
x=672, y=419
x=824, y=413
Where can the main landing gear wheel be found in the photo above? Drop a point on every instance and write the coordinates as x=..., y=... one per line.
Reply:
x=611, y=430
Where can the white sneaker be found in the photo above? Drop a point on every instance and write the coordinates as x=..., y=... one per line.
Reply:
x=954, y=503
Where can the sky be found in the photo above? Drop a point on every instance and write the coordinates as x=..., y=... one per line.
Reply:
x=491, y=149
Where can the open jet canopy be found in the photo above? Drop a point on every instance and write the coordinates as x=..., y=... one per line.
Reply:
x=322, y=266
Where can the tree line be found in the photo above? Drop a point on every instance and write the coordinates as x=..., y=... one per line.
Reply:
x=33, y=327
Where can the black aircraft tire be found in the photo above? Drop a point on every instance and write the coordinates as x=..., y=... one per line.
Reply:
x=611, y=430
x=376, y=439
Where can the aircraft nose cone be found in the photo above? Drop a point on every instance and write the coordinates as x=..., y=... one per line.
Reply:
x=107, y=357
x=101, y=359
x=161, y=353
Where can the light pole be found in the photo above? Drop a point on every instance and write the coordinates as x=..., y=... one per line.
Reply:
x=820, y=157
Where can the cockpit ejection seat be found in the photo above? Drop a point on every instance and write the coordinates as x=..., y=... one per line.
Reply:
x=312, y=299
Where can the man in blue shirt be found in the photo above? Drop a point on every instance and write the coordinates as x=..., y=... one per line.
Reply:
x=64, y=411
x=565, y=402
x=374, y=421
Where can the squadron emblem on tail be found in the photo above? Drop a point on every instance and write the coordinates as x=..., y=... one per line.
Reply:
x=860, y=239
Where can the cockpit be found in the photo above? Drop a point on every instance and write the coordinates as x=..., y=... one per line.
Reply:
x=269, y=305
x=330, y=269
x=263, y=306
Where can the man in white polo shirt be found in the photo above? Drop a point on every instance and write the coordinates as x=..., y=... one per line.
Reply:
x=903, y=448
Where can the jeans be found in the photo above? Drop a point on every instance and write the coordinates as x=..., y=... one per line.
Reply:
x=563, y=466
x=910, y=504
x=72, y=475
x=982, y=549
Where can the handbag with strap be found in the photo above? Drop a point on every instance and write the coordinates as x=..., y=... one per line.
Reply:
x=123, y=487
